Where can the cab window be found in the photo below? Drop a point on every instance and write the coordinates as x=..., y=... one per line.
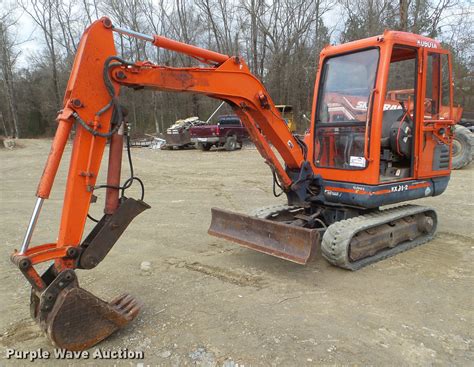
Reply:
x=342, y=114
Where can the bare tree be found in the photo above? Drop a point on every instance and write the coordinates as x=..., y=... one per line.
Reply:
x=403, y=15
x=370, y=17
x=424, y=16
x=7, y=62
x=4, y=126
x=253, y=9
x=68, y=38
x=461, y=44
x=42, y=12
x=289, y=27
x=367, y=18
x=91, y=10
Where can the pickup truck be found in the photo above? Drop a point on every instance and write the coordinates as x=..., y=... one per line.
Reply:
x=228, y=133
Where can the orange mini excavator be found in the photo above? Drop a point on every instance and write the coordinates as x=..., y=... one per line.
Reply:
x=381, y=134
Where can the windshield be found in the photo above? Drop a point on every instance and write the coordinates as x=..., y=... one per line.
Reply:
x=346, y=84
x=341, y=117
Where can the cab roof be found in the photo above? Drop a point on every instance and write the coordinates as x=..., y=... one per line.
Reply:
x=389, y=36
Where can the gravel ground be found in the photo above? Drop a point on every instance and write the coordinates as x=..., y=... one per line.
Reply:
x=209, y=302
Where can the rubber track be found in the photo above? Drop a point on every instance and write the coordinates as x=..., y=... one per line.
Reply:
x=336, y=239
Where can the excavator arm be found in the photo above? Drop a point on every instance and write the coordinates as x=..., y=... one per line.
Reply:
x=72, y=317
x=232, y=82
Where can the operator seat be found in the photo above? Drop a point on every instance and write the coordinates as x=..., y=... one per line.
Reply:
x=388, y=119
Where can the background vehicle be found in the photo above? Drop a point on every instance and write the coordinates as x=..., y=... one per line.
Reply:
x=353, y=163
x=228, y=133
x=286, y=112
x=467, y=120
x=178, y=134
x=463, y=143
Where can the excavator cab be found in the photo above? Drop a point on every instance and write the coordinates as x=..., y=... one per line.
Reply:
x=381, y=134
x=383, y=110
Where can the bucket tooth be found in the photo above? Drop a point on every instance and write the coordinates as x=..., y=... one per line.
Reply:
x=296, y=244
x=75, y=319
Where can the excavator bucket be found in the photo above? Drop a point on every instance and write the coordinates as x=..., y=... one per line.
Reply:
x=278, y=239
x=75, y=319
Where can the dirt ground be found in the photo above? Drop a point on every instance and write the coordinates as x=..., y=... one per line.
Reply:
x=210, y=302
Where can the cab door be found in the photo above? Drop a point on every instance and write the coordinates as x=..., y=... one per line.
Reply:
x=436, y=114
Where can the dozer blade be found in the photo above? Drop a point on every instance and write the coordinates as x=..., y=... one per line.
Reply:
x=75, y=319
x=278, y=239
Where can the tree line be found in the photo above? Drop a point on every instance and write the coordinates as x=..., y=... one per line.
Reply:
x=279, y=39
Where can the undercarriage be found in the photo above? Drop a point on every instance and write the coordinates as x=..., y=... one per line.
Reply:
x=346, y=238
